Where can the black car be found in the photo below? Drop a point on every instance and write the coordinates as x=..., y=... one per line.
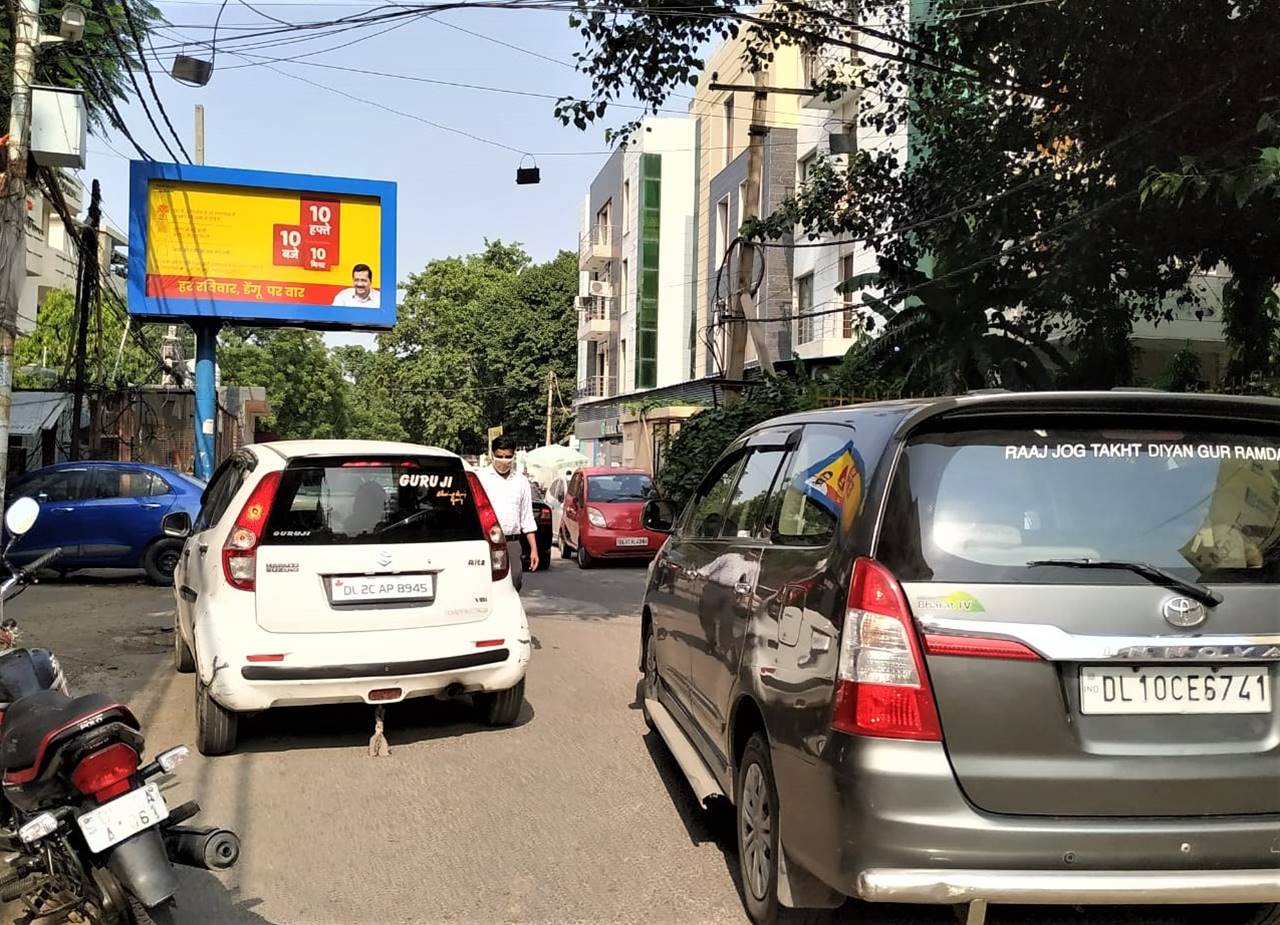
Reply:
x=542, y=514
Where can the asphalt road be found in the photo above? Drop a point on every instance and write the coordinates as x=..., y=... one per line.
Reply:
x=576, y=814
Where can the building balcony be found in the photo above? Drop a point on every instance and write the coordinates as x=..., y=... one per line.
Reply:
x=594, y=387
x=595, y=248
x=818, y=70
x=829, y=332
x=597, y=317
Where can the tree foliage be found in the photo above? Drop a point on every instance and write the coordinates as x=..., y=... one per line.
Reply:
x=99, y=64
x=1073, y=164
x=44, y=358
x=308, y=396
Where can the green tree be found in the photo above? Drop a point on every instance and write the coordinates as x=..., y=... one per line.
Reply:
x=474, y=342
x=114, y=359
x=371, y=384
x=304, y=384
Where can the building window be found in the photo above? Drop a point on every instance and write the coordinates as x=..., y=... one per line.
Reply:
x=726, y=140
x=846, y=274
x=804, y=308
x=622, y=286
x=600, y=234
x=742, y=203
x=803, y=168
x=722, y=229
x=626, y=206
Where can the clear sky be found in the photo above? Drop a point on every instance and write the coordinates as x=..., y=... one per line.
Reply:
x=453, y=191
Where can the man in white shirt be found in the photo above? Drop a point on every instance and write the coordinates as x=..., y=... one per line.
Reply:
x=361, y=293
x=512, y=499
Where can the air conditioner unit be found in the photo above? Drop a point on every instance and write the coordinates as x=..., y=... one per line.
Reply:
x=600, y=287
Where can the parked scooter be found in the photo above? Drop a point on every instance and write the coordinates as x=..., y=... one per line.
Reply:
x=92, y=836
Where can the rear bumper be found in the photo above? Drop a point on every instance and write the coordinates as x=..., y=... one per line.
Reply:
x=1069, y=888
x=347, y=667
x=888, y=822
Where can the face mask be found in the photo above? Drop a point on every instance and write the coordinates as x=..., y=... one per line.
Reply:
x=503, y=466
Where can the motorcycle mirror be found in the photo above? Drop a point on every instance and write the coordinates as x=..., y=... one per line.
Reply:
x=21, y=516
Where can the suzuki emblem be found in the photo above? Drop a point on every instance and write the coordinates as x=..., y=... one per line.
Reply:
x=1183, y=612
x=384, y=558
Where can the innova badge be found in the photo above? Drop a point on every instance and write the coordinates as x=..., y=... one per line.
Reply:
x=1183, y=613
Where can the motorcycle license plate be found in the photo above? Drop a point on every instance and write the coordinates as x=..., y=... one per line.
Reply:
x=123, y=817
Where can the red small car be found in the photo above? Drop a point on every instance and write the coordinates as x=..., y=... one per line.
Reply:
x=602, y=509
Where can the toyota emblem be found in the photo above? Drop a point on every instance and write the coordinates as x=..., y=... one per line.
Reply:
x=1183, y=612
x=384, y=559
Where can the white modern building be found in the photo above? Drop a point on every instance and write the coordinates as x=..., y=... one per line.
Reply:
x=635, y=261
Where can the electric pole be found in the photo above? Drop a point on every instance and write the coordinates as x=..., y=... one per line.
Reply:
x=87, y=292
x=551, y=384
x=738, y=312
x=13, y=221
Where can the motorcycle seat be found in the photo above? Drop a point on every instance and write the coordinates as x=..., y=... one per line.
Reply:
x=33, y=722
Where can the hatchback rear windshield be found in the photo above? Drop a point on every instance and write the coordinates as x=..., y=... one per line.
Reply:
x=606, y=488
x=327, y=502
x=979, y=505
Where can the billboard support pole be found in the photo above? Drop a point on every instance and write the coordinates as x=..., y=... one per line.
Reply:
x=206, y=396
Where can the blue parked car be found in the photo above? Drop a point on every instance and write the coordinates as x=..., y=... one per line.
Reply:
x=106, y=515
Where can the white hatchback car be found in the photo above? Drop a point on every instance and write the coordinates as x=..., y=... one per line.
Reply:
x=334, y=571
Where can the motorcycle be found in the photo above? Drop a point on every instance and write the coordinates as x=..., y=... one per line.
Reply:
x=89, y=832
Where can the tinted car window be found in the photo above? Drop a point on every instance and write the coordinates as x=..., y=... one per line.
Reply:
x=628, y=487
x=337, y=501
x=226, y=482
x=821, y=490
x=751, y=494
x=124, y=483
x=64, y=485
x=981, y=504
x=705, y=517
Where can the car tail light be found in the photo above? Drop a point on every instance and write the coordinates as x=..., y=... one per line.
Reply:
x=492, y=529
x=882, y=689
x=105, y=774
x=240, y=552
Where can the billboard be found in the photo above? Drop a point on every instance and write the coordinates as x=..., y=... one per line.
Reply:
x=247, y=247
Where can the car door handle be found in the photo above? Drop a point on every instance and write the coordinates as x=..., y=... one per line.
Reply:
x=65, y=510
x=150, y=506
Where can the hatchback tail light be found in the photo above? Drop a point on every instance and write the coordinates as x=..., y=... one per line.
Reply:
x=105, y=774
x=882, y=689
x=240, y=552
x=492, y=529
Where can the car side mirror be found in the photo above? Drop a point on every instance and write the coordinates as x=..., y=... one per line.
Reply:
x=659, y=516
x=21, y=516
x=176, y=524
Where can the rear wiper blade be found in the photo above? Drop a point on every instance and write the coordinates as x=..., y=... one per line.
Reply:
x=1154, y=574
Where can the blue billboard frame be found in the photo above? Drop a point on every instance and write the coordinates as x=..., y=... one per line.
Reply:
x=258, y=314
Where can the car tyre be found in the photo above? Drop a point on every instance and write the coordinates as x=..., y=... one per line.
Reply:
x=500, y=708
x=161, y=560
x=1266, y=915
x=756, y=811
x=584, y=558
x=183, y=660
x=566, y=551
x=649, y=686
x=216, y=726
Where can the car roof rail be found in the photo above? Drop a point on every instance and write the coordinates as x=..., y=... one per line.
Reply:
x=1134, y=388
x=988, y=392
